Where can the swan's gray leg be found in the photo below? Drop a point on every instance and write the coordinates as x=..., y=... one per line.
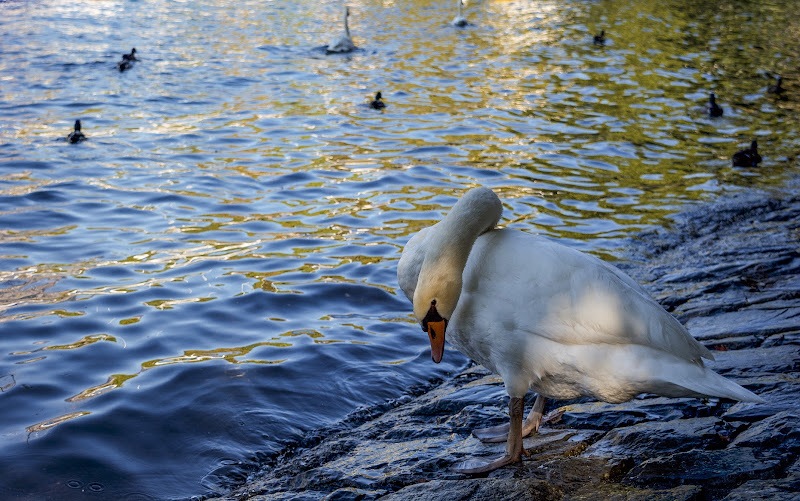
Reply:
x=500, y=433
x=516, y=408
x=534, y=419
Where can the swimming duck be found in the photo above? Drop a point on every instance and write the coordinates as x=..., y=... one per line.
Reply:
x=601, y=38
x=712, y=107
x=127, y=61
x=748, y=157
x=460, y=20
x=777, y=88
x=76, y=136
x=343, y=43
x=131, y=56
x=545, y=317
x=378, y=102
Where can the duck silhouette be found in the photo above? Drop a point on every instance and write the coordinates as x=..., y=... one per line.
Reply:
x=127, y=61
x=76, y=136
x=131, y=56
x=378, y=102
x=712, y=107
x=748, y=157
x=777, y=88
x=601, y=38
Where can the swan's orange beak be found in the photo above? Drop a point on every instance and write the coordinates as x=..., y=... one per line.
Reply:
x=435, y=325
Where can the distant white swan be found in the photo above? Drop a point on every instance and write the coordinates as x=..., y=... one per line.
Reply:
x=459, y=20
x=545, y=317
x=343, y=43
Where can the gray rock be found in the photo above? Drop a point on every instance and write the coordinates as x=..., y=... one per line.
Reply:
x=748, y=321
x=603, y=416
x=490, y=489
x=351, y=494
x=778, y=432
x=754, y=362
x=618, y=492
x=714, y=470
x=794, y=470
x=779, y=390
x=644, y=440
x=787, y=489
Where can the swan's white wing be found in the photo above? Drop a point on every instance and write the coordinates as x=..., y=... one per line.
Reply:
x=527, y=283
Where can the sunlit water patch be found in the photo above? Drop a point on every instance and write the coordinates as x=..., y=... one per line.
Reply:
x=211, y=275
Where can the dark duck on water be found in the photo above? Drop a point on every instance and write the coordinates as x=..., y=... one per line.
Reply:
x=127, y=60
x=76, y=136
x=601, y=38
x=712, y=107
x=378, y=102
x=777, y=88
x=748, y=157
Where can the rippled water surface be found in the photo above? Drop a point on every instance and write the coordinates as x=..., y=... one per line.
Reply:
x=212, y=274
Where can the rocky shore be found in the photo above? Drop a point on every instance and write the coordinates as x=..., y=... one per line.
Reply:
x=730, y=273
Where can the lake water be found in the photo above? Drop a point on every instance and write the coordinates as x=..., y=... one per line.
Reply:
x=211, y=275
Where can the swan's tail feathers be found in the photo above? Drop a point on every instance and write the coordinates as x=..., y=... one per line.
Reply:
x=714, y=385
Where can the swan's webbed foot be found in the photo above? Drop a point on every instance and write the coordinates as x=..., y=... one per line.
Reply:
x=492, y=434
x=499, y=433
x=476, y=466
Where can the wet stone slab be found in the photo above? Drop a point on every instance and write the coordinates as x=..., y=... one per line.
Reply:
x=715, y=470
x=641, y=441
x=495, y=489
x=733, y=276
x=785, y=489
x=618, y=492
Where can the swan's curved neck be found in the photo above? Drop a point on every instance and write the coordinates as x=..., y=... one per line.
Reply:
x=449, y=244
x=346, y=26
x=460, y=3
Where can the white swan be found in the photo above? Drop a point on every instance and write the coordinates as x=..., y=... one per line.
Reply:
x=460, y=20
x=545, y=317
x=343, y=43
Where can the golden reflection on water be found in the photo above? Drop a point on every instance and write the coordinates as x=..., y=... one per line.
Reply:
x=231, y=355
x=45, y=425
x=115, y=381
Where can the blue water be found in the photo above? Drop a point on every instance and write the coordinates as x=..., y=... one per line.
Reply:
x=211, y=275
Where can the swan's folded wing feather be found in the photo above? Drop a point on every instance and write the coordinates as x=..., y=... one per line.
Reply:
x=600, y=308
x=571, y=297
